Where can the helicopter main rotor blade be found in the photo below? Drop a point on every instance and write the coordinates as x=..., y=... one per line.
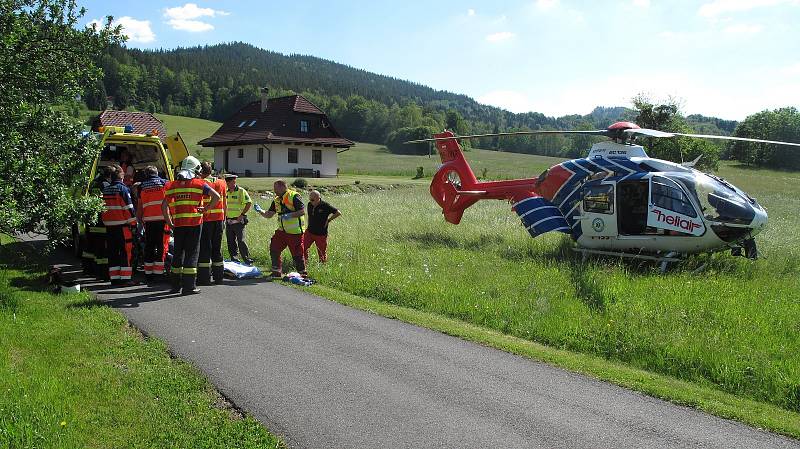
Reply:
x=656, y=133
x=648, y=132
x=599, y=132
x=742, y=139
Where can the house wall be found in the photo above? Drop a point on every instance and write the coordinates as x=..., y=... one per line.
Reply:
x=279, y=160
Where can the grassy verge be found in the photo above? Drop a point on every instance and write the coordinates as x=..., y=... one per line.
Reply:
x=76, y=375
x=711, y=400
x=731, y=328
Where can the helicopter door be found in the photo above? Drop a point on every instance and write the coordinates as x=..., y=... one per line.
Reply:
x=632, y=206
x=598, y=219
x=671, y=210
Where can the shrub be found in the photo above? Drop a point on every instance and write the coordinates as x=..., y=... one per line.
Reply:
x=420, y=172
x=300, y=183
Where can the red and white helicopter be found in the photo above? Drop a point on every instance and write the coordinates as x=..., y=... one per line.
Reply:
x=616, y=201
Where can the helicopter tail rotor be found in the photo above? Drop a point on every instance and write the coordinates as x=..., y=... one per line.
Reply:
x=453, y=185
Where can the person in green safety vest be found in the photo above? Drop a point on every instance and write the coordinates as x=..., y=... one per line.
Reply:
x=238, y=204
x=289, y=208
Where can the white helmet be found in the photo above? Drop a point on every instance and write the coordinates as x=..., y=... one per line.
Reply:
x=191, y=163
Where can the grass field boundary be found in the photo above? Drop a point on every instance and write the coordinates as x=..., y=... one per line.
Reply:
x=718, y=403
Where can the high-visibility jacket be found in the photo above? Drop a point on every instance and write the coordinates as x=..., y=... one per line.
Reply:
x=151, y=195
x=218, y=213
x=119, y=206
x=184, y=196
x=236, y=200
x=286, y=203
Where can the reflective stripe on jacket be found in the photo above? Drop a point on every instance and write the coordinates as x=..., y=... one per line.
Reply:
x=184, y=196
x=151, y=195
x=218, y=213
x=286, y=202
x=237, y=199
x=119, y=206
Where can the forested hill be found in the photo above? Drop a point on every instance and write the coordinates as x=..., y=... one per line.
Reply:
x=214, y=81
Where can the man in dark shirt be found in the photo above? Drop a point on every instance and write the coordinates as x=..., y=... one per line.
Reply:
x=320, y=214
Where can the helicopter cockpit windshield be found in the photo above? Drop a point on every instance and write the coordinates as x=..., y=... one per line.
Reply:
x=719, y=202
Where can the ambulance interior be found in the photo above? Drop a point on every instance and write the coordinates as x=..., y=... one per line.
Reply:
x=140, y=156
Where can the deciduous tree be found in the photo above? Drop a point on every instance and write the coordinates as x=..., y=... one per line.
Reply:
x=45, y=60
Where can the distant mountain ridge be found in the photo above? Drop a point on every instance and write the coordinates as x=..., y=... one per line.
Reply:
x=214, y=81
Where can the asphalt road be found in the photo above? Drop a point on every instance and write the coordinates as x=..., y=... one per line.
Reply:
x=323, y=375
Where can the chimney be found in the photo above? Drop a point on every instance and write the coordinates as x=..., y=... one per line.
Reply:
x=264, y=97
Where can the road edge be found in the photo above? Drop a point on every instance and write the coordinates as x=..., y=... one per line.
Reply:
x=724, y=405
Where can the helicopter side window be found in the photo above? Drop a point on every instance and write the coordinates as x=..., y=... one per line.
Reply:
x=668, y=195
x=599, y=199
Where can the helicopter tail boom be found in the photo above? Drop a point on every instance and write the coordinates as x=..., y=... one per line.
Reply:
x=455, y=188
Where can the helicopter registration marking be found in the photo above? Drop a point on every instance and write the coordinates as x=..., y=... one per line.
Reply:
x=674, y=221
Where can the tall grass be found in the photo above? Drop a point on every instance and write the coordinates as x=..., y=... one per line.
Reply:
x=734, y=325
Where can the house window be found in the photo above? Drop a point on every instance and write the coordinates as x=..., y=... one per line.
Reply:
x=260, y=155
x=303, y=126
x=242, y=124
x=241, y=153
x=292, y=155
x=316, y=157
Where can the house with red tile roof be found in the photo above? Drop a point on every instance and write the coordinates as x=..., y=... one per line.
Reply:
x=285, y=136
x=142, y=122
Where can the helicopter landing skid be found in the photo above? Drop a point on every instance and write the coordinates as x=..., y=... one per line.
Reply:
x=664, y=260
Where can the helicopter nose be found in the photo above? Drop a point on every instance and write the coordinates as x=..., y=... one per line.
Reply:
x=759, y=221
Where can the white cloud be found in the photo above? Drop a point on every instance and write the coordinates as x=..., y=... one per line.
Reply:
x=137, y=30
x=191, y=11
x=743, y=29
x=546, y=5
x=718, y=8
x=641, y=3
x=194, y=26
x=470, y=12
x=185, y=17
x=499, y=37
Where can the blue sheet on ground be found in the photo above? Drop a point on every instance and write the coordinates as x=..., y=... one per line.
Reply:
x=241, y=271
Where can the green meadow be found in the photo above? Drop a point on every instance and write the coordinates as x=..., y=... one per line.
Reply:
x=731, y=327
x=371, y=159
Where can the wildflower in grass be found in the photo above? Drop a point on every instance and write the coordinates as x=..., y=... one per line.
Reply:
x=63, y=423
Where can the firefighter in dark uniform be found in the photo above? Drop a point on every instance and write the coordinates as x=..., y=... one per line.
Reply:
x=119, y=217
x=183, y=210
x=95, y=260
x=156, y=232
x=210, y=261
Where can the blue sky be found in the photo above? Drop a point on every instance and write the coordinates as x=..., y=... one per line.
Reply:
x=726, y=58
